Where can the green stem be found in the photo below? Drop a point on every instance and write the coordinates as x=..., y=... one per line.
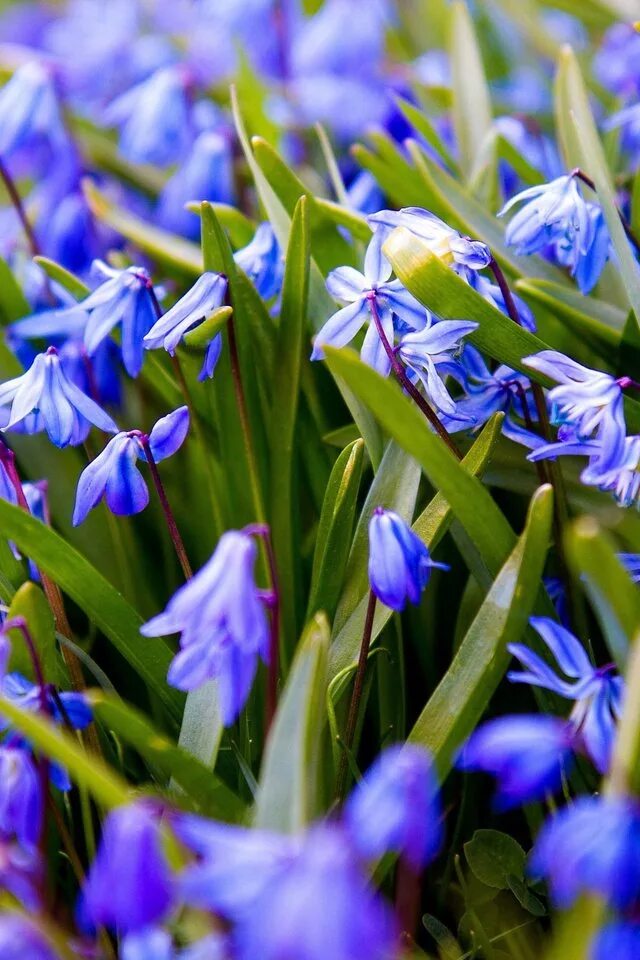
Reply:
x=236, y=376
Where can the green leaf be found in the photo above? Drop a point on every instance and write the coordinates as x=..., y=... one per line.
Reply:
x=197, y=781
x=471, y=98
x=102, y=603
x=13, y=303
x=85, y=769
x=65, y=278
x=201, y=729
x=430, y=527
x=284, y=409
x=525, y=897
x=575, y=113
x=335, y=529
x=287, y=792
x=239, y=227
x=478, y=666
x=493, y=857
x=202, y=335
x=423, y=125
x=614, y=595
x=31, y=604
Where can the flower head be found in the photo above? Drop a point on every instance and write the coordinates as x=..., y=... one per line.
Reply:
x=220, y=615
x=21, y=797
x=198, y=303
x=619, y=939
x=29, y=110
x=114, y=474
x=22, y=939
x=597, y=692
x=399, y=562
x=395, y=807
x=428, y=353
x=443, y=240
x=261, y=260
x=44, y=398
x=206, y=174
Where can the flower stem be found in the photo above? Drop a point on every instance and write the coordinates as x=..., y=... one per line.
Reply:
x=18, y=206
x=408, y=896
x=628, y=229
x=356, y=697
x=172, y=526
x=262, y=530
x=244, y=421
x=403, y=379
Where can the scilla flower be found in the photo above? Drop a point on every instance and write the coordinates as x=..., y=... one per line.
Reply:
x=21, y=796
x=220, y=615
x=44, y=398
x=114, y=474
x=261, y=260
x=443, y=240
x=399, y=562
x=29, y=110
x=22, y=939
x=364, y=293
x=197, y=304
x=429, y=354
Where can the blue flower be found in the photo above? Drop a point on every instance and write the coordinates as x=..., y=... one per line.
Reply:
x=220, y=615
x=619, y=939
x=364, y=293
x=627, y=121
x=617, y=62
x=587, y=400
x=591, y=846
x=631, y=562
x=21, y=797
x=428, y=353
x=21, y=939
x=206, y=174
x=399, y=562
x=151, y=943
x=44, y=398
x=447, y=243
x=29, y=111
x=154, y=118
x=197, y=304
x=66, y=707
x=261, y=260
x=620, y=477
x=493, y=293
x=20, y=876
x=114, y=473
x=130, y=885
x=528, y=755
x=597, y=692
x=396, y=807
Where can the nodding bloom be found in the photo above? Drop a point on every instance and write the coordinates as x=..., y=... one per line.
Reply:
x=399, y=562
x=21, y=798
x=44, y=398
x=220, y=615
x=587, y=400
x=591, y=846
x=154, y=118
x=445, y=242
x=527, y=753
x=428, y=353
x=130, y=885
x=365, y=293
x=198, y=303
x=396, y=807
x=114, y=474
x=29, y=110
x=556, y=213
x=22, y=939
x=597, y=691
x=268, y=886
x=206, y=174
x=620, y=477
x=261, y=260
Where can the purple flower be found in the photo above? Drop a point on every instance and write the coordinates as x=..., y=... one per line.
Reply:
x=261, y=260
x=151, y=943
x=206, y=174
x=597, y=692
x=44, y=398
x=443, y=240
x=114, y=474
x=364, y=293
x=129, y=886
x=21, y=797
x=198, y=303
x=399, y=562
x=528, y=755
x=68, y=707
x=591, y=846
x=21, y=875
x=220, y=615
x=21, y=939
x=617, y=63
x=396, y=807
x=429, y=355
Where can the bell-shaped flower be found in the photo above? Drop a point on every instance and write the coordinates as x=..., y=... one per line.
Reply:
x=399, y=562
x=429, y=354
x=206, y=174
x=154, y=118
x=586, y=265
x=396, y=808
x=597, y=691
x=552, y=211
x=591, y=846
x=220, y=615
x=445, y=242
x=198, y=303
x=261, y=260
x=527, y=754
x=130, y=884
x=21, y=798
x=44, y=398
x=114, y=474
x=365, y=293
x=30, y=111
